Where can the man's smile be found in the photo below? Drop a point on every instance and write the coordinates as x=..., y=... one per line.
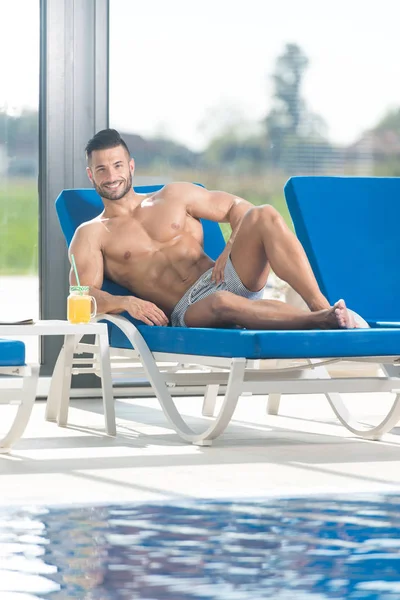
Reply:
x=112, y=186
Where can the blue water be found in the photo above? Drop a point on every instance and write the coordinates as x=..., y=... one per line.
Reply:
x=318, y=548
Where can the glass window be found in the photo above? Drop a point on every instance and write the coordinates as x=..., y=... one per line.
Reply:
x=240, y=95
x=19, y=102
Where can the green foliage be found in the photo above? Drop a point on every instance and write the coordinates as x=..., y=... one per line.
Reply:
x=20, y=133
x=287, y=113
x=236, y=155
x=289, y=123
x=19, y=228
x=389, y=122
x=388, y=168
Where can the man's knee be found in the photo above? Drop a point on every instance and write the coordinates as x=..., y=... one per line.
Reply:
x=222, y=305
x=265, y=214
x=269, y=215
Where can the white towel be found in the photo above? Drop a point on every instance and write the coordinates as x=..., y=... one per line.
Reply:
x=361, y=323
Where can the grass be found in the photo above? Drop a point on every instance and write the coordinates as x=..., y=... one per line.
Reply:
x=19, y=227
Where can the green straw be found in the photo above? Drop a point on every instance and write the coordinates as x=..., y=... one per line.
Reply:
x=75, y=269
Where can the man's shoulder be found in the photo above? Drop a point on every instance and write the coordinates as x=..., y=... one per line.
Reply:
x=180, y=189
x=92, y=227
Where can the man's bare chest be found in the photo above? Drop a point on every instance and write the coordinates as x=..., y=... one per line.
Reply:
x=148, y=232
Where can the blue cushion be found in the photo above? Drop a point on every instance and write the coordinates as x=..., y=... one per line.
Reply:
x=236, y=343
x=12, y=353
x=349, y=227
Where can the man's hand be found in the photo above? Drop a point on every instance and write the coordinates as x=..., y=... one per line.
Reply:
x=145, y=311
x=219, y=267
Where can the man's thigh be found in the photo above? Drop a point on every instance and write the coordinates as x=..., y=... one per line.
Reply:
x=205, y=313
x=248, y=253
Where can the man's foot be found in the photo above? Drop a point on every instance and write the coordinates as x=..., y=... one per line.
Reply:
x=345, y=319
x=336, y=317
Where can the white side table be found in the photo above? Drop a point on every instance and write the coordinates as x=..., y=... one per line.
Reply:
x=60, y=386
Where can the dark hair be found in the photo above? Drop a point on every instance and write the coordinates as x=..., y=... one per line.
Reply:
x=104, y=139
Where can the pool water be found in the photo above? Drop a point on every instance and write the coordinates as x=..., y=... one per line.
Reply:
x=339, y=547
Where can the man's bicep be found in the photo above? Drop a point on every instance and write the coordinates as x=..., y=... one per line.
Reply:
x=88, y=259
x=212, y=205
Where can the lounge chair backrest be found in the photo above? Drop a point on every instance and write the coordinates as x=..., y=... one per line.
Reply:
x=350, y=230
x=79, y=205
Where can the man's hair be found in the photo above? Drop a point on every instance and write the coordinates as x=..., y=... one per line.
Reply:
x=103, y=140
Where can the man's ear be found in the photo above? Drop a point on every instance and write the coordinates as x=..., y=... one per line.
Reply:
x=132, y=166
x=89, y=174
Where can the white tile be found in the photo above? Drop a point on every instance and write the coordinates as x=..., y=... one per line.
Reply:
x=304, y=451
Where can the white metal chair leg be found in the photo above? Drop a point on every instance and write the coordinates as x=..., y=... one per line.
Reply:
x=273, y=403
x=334, y=398
x=28, y=392
x=106, y=385
x=53, y=398
x=65, y=380
x=373, y=432
x=233, y=390
x=210, y=401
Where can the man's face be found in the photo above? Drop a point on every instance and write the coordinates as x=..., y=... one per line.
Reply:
x=111, y=172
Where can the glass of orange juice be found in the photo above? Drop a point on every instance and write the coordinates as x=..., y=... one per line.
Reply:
x=79, y=304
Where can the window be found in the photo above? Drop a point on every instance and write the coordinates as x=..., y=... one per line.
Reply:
x=240, y=95
x=19, y=101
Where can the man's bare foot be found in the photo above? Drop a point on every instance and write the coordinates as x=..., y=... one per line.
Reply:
x=336, y=317
x=345, y=319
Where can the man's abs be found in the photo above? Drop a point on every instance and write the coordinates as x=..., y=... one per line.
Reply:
x=161, y=276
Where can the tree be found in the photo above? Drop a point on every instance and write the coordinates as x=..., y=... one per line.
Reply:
x=382, y=144
x=390, y=122
x=289, y=123
x=19, y=133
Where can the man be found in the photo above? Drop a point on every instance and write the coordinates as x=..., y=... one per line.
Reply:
x=152, y=245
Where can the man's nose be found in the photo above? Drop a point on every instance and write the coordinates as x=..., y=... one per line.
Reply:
x=110, y=173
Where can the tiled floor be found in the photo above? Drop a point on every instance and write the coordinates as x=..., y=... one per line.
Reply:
x=305, y=451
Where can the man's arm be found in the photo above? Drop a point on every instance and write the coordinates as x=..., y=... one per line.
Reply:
x=215, y=206
x=90, y=266
x=89, y=263
x=221, y=207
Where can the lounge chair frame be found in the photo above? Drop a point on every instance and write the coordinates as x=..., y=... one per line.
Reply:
x=22, y=397
x=172, y=374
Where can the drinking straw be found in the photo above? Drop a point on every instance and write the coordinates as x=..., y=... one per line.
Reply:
x=75, y=269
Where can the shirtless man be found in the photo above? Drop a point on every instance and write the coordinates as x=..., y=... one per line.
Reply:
x=152, y=245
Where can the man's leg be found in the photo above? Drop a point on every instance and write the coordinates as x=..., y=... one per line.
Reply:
x=263, y=241
x=224, y=309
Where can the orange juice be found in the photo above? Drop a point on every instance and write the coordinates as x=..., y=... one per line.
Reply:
x=78, y=310
x=79, y=305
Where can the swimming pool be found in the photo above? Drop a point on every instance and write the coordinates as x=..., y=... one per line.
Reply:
x=338, y=547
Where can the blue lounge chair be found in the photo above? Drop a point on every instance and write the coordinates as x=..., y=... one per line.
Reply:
x=231, y=356
x=12, y=364
x=349, y=228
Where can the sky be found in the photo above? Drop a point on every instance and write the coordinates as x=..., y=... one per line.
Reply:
x=189, y=69
x=175, y=63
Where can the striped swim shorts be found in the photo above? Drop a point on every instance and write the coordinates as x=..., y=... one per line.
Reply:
x=204, y=287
